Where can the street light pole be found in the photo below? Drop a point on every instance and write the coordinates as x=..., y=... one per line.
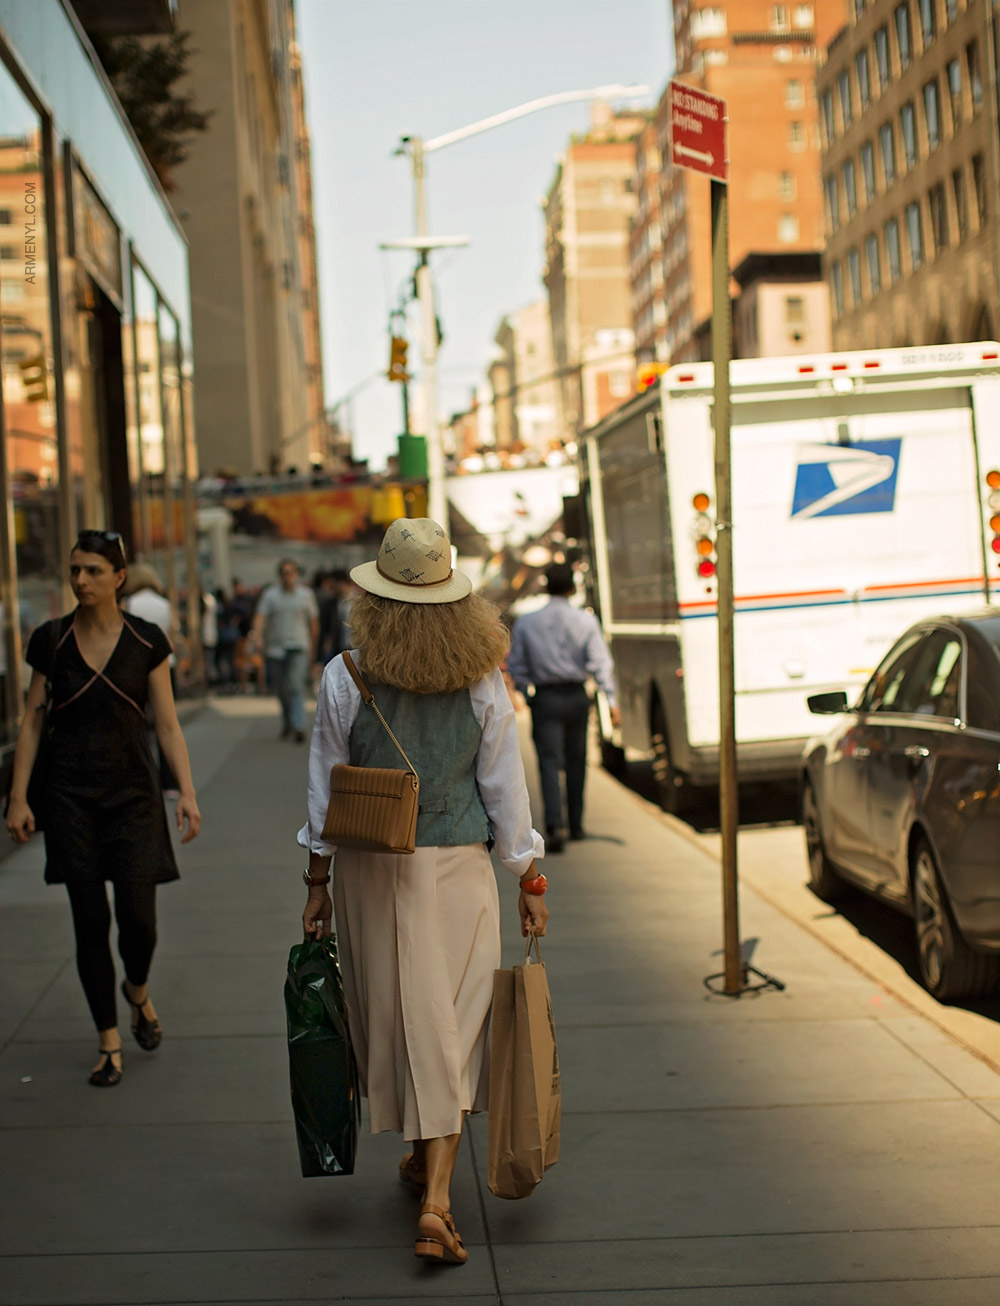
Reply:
x=418, y=148
x=437, y=503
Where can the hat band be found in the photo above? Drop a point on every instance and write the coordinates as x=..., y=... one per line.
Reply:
x=412, y=584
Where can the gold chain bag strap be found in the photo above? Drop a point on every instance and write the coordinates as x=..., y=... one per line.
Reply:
x=372, y=807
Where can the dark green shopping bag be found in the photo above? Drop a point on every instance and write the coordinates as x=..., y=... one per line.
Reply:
x=325, y=1097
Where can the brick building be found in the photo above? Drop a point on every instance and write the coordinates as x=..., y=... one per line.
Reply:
x=761, y=58
x=645, y=253
x=587, y=212
x=908, y=99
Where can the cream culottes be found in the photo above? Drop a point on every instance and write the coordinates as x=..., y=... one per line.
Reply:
x=419, y=940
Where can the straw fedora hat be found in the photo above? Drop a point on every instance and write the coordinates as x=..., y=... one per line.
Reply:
x=413, y=565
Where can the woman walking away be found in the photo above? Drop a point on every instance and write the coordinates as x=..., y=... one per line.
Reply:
x=419, y=935
x=103, y=810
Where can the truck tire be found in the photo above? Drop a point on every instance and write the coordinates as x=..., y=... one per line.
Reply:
x=823, y=878
x=671, y=791
x=948, y=966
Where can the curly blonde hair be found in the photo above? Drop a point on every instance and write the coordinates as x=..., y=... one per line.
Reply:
x=428, y=648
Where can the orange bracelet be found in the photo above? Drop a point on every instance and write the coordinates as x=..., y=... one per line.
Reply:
x=535, y=887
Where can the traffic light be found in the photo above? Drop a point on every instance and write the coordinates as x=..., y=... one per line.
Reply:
x=647, y=374
x=35, y=379
x=397, y=360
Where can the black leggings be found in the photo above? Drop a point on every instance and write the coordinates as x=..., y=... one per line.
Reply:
x=135, y=912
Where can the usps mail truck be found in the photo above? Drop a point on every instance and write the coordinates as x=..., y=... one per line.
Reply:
x=866, y=495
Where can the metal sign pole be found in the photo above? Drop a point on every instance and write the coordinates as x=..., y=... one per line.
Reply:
x=728, y=791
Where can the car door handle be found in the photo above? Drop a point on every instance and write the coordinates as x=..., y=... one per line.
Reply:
x=916, y=750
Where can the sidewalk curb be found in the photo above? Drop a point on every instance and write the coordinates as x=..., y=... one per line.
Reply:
x=916, y=999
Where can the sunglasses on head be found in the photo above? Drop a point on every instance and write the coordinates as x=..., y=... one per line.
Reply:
x=108, y=537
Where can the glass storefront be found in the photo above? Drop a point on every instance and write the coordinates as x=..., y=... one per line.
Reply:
x=32, y=587
x=95, y=426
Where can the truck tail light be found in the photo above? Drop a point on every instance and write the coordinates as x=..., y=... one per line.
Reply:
x=703, y=533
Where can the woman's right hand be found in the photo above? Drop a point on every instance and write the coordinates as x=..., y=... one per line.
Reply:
x=20, y=820
x=533, y=912
x=317, y=919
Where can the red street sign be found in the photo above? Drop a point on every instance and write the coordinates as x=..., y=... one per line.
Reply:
x=698, y=131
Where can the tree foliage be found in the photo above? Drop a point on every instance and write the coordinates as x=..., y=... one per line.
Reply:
x=144, y=75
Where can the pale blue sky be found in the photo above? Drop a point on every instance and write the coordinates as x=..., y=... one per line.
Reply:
x=379, y=69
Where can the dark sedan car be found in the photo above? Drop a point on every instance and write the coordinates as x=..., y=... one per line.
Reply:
x=902, y=797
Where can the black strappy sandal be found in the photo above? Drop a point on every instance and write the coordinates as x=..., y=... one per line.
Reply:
x=147, y=1033
x=107, y=1073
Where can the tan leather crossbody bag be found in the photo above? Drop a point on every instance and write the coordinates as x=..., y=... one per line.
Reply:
x=371, y=807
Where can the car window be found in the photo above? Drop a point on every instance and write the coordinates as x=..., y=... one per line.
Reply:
x=982, y=687
x=932, y=684
x=880, y=692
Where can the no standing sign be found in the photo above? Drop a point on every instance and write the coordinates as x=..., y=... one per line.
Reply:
x=698, y=131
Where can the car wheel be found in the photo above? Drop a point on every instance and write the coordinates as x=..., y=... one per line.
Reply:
x=948, y=966
x=823, y=879
x=673, y=794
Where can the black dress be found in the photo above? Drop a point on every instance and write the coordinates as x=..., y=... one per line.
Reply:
x=103, y=807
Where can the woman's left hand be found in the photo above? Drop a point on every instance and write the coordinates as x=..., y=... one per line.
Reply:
x=317, y=919
x=188, y=814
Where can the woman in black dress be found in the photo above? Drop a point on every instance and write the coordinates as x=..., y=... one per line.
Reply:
x=102, y=808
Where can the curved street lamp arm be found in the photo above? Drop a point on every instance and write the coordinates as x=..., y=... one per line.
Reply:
x=563, y=97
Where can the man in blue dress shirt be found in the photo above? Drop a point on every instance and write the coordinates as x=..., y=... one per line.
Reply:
x=555, y=650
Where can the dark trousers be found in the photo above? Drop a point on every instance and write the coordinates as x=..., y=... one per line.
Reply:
x=559, y=716
x=135, y=913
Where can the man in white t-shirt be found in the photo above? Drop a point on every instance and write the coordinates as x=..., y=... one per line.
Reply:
x=286, y=625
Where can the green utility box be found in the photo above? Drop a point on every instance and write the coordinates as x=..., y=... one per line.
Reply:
x=413, y=457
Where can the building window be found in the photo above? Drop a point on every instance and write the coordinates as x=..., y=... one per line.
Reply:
x=951, y=10
x=796, y=137
x=850, y=187
x=8, y=253
x=868, y=170
x=844, y=95
x=6, y=219
x=854, y=275
x=954, y=75
x=939, y=216
x=837, y=286
x=975, y=75
x=780, y=21
x=859, y=8
x=882, y=57
x=864, y=85
x=788, y=229
x=928, y=20
x=961, y=202
x=710, y=21
x=832, y=203
x=904, y=42
x=795, y=311
x=888, y=153
x=914, y=235
x=908, y=121
x=874, y=266
x=979, y=186
x=892, y=250
x=795, y=95
x=826, y=107
x=803, y=16
x=932, y=114
x=787, y=188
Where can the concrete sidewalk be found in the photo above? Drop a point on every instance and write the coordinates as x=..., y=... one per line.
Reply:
x=824, y=1146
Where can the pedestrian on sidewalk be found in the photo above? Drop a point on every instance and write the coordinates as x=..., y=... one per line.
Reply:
x=419, y=935
x=554, y=651
x=286, y=625
x=103, y=811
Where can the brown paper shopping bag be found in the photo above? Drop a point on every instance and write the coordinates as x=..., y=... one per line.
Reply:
x=525, y=1100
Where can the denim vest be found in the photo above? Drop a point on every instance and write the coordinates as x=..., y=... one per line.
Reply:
x=441, y=737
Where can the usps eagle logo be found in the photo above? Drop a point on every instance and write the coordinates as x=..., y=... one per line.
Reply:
x=834, y=480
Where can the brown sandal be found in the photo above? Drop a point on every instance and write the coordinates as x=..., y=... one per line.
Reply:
x=412, y=1175
x=430, y=1246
